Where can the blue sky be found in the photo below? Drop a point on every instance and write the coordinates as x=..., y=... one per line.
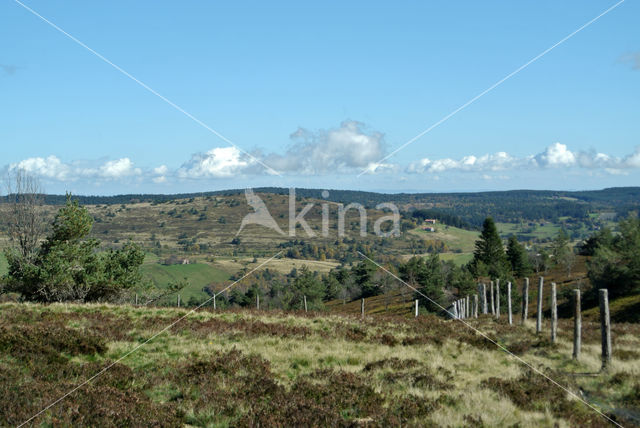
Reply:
x=320, y=93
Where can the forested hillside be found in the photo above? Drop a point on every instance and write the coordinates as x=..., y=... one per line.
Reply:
x=472, y=208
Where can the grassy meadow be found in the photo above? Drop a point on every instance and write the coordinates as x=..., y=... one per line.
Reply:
x=198, y=276
x=252, y=368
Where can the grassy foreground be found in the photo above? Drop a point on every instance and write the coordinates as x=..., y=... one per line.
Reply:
x=251, y=368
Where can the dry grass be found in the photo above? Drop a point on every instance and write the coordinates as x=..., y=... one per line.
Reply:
x=276, y=368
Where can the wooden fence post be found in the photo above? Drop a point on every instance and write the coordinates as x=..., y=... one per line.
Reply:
x=136, y=299
x=509, y=303
x=493, y=304
x=605, y=327
x=475, y=306
x=362, y=308
x=416, y=308
x=178, y=300
x=554, y=314
x=525, y=299
x=258, y=301
x=577, y=324
x=214, y=302
x=497, y=299
x=305, y=303
x=484, y=299
x=539, y=318
x=468, y=306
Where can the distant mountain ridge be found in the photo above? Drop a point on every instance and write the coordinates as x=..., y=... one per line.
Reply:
x=606, y=194
x=472, y=207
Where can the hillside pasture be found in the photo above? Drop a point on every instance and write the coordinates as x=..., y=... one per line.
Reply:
x=198, y=275
x=254, y=368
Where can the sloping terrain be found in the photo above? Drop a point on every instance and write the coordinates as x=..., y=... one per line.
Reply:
x=252, y=368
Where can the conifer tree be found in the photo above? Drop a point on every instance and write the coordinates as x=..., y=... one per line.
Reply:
x=489, y=257
x=518, y=258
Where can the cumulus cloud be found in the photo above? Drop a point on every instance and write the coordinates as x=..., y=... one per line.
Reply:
x=50, y=167
x=489, y=162
x=219, y=162
x=347, y=147
x=53, y=168
x=118, y=169
x=556, y=155
x=161, y=170
x=160, y=174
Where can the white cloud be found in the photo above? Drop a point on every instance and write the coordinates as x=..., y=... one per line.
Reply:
x=118, y=169
x=53, y=168
x=218, y=162
x=556, y=155
x=161, y=170
x=632, y=160
x=49, y=167
x=489, y=162
x=338, y=150
x=161, y=174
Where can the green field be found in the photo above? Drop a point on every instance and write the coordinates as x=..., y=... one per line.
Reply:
x=546, y=231
x=455, y=238
x=198, y=275
x=457, y=258
x=460, y=242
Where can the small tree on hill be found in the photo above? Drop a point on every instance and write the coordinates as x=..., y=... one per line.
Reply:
x=68, y=267
x=363, y=277
x=562, y=252
x=617, y=266
x=308, y=285
x=489, y=254
x=426, y=275
x=518, y=258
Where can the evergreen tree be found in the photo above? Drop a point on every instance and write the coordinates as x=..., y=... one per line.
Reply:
x=363, y=278
x=332, y=286
x=489, y=252
x=617, y=266
x=426, y=275
x=306, y=284
x=518, y=258
x=603, y=238
x=68, y=267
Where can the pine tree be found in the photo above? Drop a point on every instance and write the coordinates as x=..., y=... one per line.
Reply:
x=518, y=258
x=489, y=252
x=363, y=276
x=68, y=267
x=426, y=275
